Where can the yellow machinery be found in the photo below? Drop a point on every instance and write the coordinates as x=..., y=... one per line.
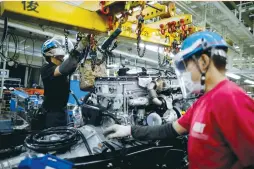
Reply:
x=101, y=17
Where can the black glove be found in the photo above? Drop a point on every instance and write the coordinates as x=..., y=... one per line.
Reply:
x=69, y=65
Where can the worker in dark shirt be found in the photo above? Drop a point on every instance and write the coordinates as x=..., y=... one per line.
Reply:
x=55, y=79
x=220, y=123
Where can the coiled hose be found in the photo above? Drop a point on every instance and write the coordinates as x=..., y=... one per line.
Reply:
x=67, y=137
x=5, y=31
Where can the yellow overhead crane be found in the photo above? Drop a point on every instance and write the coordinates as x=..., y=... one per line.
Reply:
x=99, y=17
x=55, y=13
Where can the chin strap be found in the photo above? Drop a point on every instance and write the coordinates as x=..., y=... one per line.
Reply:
x=202, y=83
x=203, y=75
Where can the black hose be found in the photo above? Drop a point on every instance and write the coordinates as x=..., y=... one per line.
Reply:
x=2, y=56
x=85, y=142
x=15, y=45
x=26, y=57
x=111, y=116
x=86, y=98
x=15, y=56
x=16, y=41
x=67, y=137
x=75, y=98
x=5, y=31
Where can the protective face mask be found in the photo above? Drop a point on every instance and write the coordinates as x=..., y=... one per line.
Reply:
x=58, y=52
x=188, y=86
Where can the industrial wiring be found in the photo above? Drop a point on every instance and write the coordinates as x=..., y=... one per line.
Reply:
x=66, y=137
x=15, y=55
x=26, y=56
x=4, y=49
x=15, y=45
x=5, y=31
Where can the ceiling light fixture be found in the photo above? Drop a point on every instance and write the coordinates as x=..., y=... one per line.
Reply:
x=152, y=2
x=232, y=75
x=249, y=82
x=236, y=47
x=151, y=48
x=136, y=9
x=118, y=15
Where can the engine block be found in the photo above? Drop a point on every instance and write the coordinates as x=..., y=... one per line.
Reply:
x=128, y=98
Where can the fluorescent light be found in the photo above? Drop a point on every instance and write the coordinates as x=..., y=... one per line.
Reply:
x=248, y=92
x=136, y=9
x=152, y=2
x=118, y=15
x=134, y=71
x=249, y=82
x=113, y=66
x=251, y=46
x=232, y=75
x=151, y=48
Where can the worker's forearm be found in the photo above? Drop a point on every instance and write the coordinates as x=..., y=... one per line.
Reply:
x=154, y=132
x=70, y=64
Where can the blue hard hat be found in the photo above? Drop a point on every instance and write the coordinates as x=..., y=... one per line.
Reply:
x=197, y=43
x=48, y=45
x=56, y=46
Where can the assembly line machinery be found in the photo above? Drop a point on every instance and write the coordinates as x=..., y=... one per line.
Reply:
x=129, y=99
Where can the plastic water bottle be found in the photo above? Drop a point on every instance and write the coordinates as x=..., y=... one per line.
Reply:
x=77, y=116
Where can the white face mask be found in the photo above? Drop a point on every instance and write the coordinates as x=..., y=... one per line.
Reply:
x=188, y=86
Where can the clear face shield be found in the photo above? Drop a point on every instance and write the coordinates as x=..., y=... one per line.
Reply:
x=183, y=72
x=61, y=52
x=188, y=86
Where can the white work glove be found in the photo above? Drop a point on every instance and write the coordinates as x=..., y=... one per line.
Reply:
x=117, y=131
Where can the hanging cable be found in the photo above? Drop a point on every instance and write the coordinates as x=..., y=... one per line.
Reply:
x=26, y=56
x=16, y=56
x=163, y=63
x=5, y=31
x=4, y=48
x=139, y=29
x=15, y=41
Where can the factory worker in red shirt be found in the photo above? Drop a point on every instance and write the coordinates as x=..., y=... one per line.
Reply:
x=220, y=123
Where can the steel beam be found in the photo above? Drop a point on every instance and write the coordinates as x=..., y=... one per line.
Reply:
x=147, y=34
x=240, y=11
x=150, y=12
x=223, y=8
x=3, y=76
x=89, y=5
x=156, y=25
x=251, y=71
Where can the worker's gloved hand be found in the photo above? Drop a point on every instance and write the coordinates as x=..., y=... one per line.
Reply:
x=117, y=131
x=81, y=46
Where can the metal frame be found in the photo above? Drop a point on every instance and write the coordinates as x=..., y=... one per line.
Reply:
x=222, y=20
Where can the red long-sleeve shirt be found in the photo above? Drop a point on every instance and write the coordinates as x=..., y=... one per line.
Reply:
x=221, y=129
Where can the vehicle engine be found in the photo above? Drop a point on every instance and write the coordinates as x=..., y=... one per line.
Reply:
x=137, y=100
x=127, y=100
